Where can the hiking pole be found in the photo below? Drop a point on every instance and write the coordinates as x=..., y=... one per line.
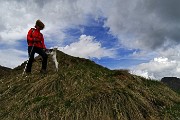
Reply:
x=28, y=60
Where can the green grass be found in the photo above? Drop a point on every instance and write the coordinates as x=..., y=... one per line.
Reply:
x=173, y=111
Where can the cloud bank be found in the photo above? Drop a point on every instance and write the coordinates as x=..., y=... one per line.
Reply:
x=12, y=57
x=158, y=68
x=137, y=23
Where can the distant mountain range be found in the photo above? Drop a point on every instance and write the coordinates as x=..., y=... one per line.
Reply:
x=83, y=90
x=172, y=82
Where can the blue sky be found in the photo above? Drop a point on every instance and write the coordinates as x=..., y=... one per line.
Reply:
x=102, y=34
x=142, y=36
x=122, y=59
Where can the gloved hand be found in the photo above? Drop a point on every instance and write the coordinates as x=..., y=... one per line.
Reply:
x=44, y=49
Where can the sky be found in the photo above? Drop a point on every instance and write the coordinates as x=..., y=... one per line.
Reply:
x=139, y=35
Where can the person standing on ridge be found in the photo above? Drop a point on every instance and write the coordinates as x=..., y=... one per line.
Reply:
x=36, y=44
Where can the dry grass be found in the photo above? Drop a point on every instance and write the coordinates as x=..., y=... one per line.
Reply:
x=82, y=90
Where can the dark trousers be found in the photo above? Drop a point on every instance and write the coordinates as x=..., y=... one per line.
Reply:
x=41, y=52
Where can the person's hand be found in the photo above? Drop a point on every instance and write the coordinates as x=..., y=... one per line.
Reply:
x=44, y=49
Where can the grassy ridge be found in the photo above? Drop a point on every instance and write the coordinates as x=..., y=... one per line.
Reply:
x=83, y=90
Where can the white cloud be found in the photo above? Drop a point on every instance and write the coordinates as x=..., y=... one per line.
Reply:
x=12, y=57
x=87, y=47
x=158, y=68
x=143, y=73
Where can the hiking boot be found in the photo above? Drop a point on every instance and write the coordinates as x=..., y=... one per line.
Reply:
x=43, y=71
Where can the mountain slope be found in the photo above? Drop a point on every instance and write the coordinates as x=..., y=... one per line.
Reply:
x=83, y=90
x=4, y=71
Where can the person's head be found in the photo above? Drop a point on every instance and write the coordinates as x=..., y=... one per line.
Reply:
x=39, y=25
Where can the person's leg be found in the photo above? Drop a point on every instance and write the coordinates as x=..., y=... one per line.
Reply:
x=31, y=52
x=42, y=53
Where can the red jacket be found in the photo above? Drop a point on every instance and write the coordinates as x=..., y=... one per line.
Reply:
x=35, y=34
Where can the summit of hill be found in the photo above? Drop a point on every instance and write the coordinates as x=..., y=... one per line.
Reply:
x=84, y=90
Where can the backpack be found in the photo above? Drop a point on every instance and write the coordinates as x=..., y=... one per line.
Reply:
x=33, y=29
